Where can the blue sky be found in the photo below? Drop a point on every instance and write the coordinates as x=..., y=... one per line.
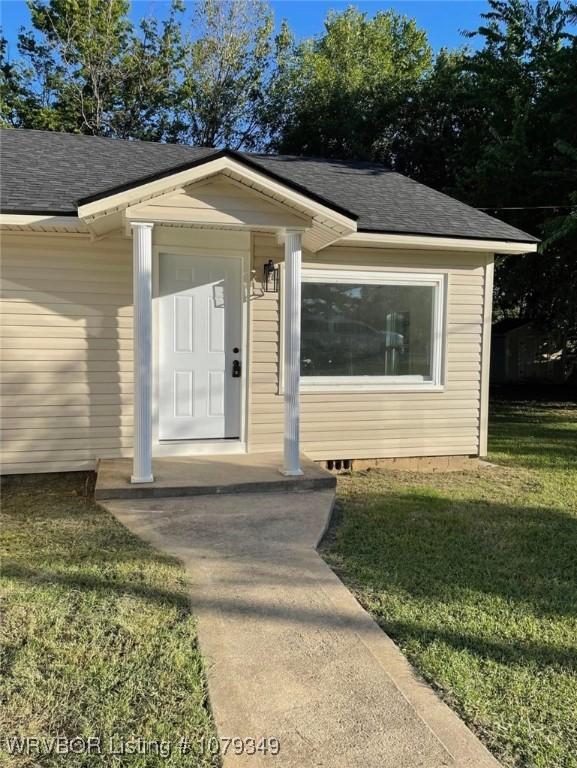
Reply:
x=442, y=19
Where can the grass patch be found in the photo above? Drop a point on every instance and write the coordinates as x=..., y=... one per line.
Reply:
x=98, y=637
x=474, y=574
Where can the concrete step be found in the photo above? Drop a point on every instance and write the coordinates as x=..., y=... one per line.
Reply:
x=207, y=476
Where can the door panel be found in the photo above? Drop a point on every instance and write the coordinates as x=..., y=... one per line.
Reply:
x=183, y=323
x=200, y=325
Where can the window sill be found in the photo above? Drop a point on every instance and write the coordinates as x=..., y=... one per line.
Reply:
x=360, y=387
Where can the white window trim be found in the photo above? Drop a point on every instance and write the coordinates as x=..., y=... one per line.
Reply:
x=436, y=383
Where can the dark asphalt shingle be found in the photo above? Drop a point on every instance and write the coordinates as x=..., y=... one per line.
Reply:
x=48, y=172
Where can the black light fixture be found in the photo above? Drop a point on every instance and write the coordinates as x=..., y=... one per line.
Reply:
x=270, y=276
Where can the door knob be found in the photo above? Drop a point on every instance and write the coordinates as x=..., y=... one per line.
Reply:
x=236, y=369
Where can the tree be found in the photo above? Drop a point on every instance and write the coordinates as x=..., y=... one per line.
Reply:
x=518, y=173
x=229, y=72
x=439, y=125
x=74, y=49
x=85, y=69
x=512, y=73
x=547, y=291
x=564, y=226
x=28, y=89
x=486, y=126
x=11, y=88
x=350, y=85
x=147, y=93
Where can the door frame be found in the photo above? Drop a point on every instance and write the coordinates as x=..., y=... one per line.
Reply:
x=217, y=445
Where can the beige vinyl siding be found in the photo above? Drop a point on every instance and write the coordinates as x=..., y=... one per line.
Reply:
x=219, y=201
x=66, y=352
x=66, y=357
x=357, y=424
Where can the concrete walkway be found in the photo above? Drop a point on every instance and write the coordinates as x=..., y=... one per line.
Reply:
x=289, y=652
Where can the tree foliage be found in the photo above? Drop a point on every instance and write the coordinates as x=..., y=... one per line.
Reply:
x=228, y=72
x=84, y=68
x=349, y=86
x=525, y=76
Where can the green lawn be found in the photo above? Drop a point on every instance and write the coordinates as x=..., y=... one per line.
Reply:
x=97, y=638
x=474, y=574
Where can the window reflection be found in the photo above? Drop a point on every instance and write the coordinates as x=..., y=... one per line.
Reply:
x=366, y=330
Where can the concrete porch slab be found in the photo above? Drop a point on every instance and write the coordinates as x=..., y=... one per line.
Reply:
x=208, y=475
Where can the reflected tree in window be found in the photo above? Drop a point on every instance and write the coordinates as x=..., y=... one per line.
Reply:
x=366, y=330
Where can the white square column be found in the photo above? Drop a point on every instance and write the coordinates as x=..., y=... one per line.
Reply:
x=142, y=301
x=292, y=351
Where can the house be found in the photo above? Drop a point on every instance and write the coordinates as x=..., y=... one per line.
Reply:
x=520, y=351
x=162, y=300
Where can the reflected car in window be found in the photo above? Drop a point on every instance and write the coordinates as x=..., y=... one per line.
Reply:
x=343, y=347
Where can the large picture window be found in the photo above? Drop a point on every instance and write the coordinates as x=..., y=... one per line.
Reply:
x=371, y=329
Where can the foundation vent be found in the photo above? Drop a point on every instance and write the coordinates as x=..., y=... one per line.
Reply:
x=339, y=465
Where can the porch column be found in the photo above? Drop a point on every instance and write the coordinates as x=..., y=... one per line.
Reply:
x=292, y=351
x=142, y=298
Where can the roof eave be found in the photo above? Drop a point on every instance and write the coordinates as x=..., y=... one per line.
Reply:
x=416, y=241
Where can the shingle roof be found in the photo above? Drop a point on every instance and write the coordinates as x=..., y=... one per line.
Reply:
x=48, y=172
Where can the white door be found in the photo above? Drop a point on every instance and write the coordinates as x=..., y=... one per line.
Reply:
x=200, y=339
